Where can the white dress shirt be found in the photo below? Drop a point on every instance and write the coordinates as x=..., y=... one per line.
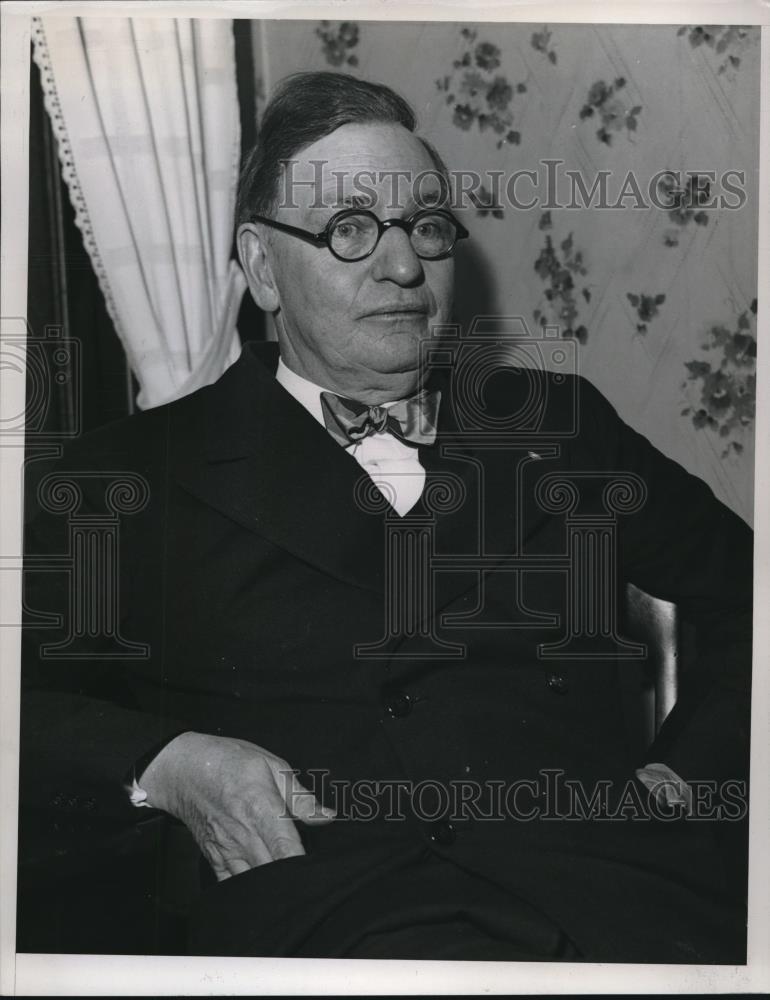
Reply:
x=393, y=466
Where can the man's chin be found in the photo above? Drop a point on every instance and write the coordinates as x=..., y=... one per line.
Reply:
x=397, y=337
x=394, y=358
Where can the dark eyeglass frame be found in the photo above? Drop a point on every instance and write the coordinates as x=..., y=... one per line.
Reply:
x=323, y=239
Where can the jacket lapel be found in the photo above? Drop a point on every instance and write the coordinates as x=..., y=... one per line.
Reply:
x=247, y=448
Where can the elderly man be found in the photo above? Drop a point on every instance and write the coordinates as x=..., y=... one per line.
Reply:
x=404, y=796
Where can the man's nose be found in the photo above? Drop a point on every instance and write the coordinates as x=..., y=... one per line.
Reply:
x=394, y=259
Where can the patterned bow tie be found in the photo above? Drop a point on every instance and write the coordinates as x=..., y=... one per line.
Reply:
x=412, y=421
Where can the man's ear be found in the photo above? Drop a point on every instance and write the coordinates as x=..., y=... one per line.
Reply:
x=256, y=267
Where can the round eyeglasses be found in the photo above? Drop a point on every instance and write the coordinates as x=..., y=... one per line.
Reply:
x=353, y=233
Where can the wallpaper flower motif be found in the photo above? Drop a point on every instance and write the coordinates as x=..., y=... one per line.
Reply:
x=681, y=203
x=728, y=40
x=337, y=42
x=560, y=273
x=603, y=100
x=646, y=307
x=486, y=204
x=541, y=42
x=726, y=382
x=479, y=93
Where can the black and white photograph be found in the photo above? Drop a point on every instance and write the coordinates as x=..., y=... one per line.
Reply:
x=381, y=447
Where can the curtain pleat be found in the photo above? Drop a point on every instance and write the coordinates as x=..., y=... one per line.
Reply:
x=145, y=112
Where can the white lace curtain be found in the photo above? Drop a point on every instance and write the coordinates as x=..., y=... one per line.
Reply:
x=145, y=113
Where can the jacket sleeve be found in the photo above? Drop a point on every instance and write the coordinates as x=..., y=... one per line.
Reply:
x=686, y=547
x=82, y=727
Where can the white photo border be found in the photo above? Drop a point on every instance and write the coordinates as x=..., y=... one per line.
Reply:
x=61, y=975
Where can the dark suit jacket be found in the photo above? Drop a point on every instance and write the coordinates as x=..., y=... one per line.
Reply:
x=252, y=572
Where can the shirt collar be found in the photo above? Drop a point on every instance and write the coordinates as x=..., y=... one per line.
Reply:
x=306, y=392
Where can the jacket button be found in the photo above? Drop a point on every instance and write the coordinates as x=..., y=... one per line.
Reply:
x=443, y=833
x=399, y=704
x=557, y=683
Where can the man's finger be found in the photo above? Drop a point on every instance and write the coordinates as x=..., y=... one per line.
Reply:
x=214, y=857
x=277, y=828
x=235, y=846
x=286, y=844
x=303, y=805
x=236, y=866
x=256, y=851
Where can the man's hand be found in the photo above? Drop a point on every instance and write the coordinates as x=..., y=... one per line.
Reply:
x=236, y=799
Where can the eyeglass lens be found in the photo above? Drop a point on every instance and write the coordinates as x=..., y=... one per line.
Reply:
x=355, y=236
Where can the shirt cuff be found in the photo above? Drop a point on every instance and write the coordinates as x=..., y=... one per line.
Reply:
x=136, y=795
x=665, y=784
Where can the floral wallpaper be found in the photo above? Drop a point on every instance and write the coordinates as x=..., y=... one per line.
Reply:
x=338, y=42
x=559, y=266
x=725, y=380
x=605, y=103
x=478, y=93
x=728, y=41
x=541, y=42
x=655, y=279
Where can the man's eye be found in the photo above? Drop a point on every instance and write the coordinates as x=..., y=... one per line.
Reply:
x=346, y=229
x=431, y=229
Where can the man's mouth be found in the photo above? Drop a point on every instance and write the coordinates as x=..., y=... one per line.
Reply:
x=398, y=312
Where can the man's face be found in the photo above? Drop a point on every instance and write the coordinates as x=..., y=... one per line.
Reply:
x=357, y=326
